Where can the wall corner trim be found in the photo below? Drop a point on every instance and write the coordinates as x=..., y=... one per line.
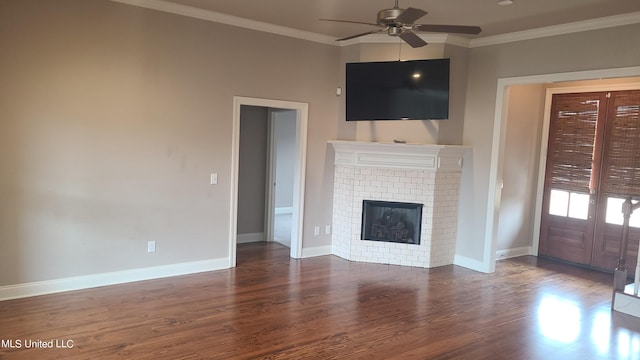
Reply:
x=18, y=291
x=316, y=251
x=471, y=264
x=514, y=252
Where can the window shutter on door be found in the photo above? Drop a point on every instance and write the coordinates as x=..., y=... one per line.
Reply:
x=572, y=132
x=622, y=146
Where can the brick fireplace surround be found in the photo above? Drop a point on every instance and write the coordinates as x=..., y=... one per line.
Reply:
x=426, y=174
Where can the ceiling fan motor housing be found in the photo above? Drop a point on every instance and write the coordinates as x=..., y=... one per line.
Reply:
x=387, y=17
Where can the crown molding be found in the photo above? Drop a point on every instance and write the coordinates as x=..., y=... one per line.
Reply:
x=193, y=12
x=208, y=15
x=568, y=28
x=458, y=40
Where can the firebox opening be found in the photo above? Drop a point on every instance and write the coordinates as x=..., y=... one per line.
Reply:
x=391, y=221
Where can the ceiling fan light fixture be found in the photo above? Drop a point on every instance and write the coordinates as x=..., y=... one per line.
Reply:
x=394, y=31
x=505, y=2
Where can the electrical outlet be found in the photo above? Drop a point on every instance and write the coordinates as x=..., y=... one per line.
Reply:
x=327, y=229
x=151, y=246
x=316, y=230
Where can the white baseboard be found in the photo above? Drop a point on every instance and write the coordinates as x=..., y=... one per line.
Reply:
x=283, y=210
x=316, y=251
x=469, y=263
x=515, y=252
x=250, y=237
x=112, y=278
x=287, y=244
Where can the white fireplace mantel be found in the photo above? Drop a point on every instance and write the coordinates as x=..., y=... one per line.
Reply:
x=399, y=156
x=414, y=173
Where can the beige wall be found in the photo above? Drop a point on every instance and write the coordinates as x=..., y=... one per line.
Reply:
x=600, y=49
x=450, y=131
x=522, y=149
x=112, y=117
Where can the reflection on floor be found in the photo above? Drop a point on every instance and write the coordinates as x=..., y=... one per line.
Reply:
x=273, y=307
x=282, y=229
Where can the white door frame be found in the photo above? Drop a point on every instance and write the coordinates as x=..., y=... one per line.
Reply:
x=302, y=119
x=269, y=211
x=498, y=146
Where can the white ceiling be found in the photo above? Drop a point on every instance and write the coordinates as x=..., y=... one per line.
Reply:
x=494, y=19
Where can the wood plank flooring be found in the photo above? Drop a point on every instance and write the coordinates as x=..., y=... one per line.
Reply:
x=273, y=307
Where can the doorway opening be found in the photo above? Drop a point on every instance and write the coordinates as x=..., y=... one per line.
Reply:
x=299, y=114
x=497, y=170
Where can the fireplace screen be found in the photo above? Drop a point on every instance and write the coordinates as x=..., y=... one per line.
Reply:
x=391, y=221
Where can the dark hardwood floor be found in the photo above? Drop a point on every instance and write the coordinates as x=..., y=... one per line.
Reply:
x=272, y=307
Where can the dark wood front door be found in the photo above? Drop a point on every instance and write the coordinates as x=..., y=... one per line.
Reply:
x=593, y=164
x=620, y=179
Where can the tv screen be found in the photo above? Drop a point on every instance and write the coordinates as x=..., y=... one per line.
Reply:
x=398, y=90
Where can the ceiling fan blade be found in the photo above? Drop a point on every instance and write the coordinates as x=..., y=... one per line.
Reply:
x=455, y=29
x=412, y=39
x=358, y=35
x=410, y=15
x=350, y=22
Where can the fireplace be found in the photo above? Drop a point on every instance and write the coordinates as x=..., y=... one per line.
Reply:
x=424, y=175
x=391, y=221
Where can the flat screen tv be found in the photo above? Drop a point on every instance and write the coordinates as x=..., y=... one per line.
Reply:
x=398, y=90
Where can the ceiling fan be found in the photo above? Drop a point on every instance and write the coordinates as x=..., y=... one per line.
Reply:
x=400, y=22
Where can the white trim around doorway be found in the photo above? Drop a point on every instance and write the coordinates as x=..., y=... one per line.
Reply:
x=302, y=118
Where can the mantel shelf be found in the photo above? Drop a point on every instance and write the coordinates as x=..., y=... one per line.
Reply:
x=399, y=156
